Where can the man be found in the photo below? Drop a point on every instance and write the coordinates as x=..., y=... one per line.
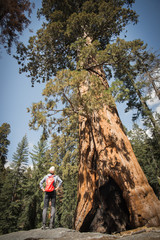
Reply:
x=53, y=182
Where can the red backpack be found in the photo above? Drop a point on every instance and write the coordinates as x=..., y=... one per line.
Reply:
x=49, y=184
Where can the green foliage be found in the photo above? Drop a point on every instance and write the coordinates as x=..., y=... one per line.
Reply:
x=65, y=154
x=52, y=49
x=4, y=142
x=32, y=212
x=13, y=189
x=21, y=198
x=5, y=201
x=133, y=64
x=63, y=99
x=147, y=152
x=19, y=166
x=4, y=195
x=13, y=20
x=77, y=42
x=67, y=209
x=20, y=157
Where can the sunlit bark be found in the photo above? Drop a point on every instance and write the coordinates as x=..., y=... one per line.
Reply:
x=113, y=192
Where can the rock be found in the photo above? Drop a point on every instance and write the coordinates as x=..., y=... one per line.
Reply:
x=144, y=236
x=69, y=234
x=58, y=233
x=142, y=233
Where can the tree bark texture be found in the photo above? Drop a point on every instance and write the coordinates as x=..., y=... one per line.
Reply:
x=113, y=192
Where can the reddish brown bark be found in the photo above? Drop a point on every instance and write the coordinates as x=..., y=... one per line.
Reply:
x=113, y=192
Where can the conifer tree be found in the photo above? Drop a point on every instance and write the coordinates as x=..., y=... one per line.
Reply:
x=79, y=45
x=27, y=219
x=5, y=202
x=133, y=83
x=147, y=152
x=19, y=166
x=4, y=142
x=64, y=154
x=151, y=75
x=14, y=189
x=5, y=183
x=32, y=215
x=13, y=20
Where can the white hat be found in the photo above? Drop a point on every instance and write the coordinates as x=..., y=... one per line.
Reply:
x=52, y=169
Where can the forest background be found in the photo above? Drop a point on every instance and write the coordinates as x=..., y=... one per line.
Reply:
x=21, y=199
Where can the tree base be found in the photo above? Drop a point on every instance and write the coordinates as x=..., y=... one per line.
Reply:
x=109, y=213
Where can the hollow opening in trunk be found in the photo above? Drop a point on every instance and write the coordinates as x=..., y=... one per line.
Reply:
x=109, y=213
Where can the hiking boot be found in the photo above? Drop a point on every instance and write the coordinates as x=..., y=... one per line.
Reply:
x=43, y=227
x=51, y=226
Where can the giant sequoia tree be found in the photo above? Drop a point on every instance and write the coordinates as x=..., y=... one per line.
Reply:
x=79, y=45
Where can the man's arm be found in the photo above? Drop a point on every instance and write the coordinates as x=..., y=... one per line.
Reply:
x=59, y=180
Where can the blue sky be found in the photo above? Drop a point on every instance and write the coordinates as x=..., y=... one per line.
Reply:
x=16, y=93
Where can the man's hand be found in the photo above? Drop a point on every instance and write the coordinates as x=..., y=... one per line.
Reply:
x=43, y=190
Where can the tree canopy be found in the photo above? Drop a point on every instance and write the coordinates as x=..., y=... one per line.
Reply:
x=77, y=38
x=58, y=43
x=13, y=20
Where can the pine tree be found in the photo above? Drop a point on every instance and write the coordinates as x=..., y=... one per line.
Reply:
x=147, y=152
x=28, y=216
x=19, y=166
x=32, y=215
x=4, y=142
x=14, y=188
x=130, y=83
x=151, y=75
x=5, y=202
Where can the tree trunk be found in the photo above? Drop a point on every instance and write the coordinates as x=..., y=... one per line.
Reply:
x=153, y=81
x=113, y=192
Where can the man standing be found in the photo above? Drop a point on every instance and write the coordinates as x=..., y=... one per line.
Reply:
x=53, y=182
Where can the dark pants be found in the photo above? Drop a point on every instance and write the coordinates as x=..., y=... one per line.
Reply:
x=49, y=196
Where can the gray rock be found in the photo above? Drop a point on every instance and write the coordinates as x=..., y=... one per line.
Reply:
x=54, y=234
x=144, y=236
x=69, y=234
